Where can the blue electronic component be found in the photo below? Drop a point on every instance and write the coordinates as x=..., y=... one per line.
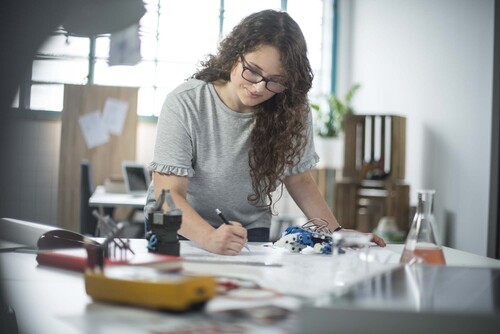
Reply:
x=304, y=238
x=323, y=248
x=292, y=229
x=296, y=238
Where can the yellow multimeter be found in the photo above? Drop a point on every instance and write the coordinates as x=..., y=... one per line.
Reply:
x=149, y=287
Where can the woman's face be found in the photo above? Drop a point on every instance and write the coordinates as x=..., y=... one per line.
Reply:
x=262, y=65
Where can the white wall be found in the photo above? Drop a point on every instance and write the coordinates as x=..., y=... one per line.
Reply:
x=146, y=135
x=30, y=167
x=431, y=61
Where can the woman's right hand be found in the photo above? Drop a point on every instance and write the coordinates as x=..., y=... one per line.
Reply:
x=227, y=239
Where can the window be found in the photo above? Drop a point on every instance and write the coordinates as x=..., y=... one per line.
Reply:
x=175, y=37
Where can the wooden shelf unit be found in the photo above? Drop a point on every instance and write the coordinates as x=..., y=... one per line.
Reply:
x=373, y=183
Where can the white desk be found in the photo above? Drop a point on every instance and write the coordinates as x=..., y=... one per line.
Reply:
x=101, y=198
x=49, y=300
x=412, y=300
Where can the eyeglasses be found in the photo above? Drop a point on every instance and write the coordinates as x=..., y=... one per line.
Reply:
x=251, y=76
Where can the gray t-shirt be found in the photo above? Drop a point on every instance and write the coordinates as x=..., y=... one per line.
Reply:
x=198, y=136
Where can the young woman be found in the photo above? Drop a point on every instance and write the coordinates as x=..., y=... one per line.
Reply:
x=236, y=132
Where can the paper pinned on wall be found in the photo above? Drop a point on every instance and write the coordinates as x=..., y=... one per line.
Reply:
x=93, y=128
x=114, y=115
x=125, y=47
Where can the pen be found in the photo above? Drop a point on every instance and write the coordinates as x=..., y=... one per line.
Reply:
x=219, y=213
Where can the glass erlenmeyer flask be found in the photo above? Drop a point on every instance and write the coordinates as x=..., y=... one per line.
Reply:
x=421, y=242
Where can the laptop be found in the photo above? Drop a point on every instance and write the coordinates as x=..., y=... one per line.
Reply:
x=136, y=178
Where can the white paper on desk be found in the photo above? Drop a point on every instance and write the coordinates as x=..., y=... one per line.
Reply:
x=301, y=274
x=93, y=128
x=114, y=115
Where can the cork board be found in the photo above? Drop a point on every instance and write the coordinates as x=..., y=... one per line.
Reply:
x=105, y=159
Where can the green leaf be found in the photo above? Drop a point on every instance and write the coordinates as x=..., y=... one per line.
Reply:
x=330, y=123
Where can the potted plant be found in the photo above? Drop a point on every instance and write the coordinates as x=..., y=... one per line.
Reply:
x=329, y=125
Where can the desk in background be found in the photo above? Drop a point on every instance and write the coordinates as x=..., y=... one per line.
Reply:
x=49, y=300
x=129, y=205
x=101, y=198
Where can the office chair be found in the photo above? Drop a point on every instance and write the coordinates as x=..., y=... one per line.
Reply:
x=88, y=222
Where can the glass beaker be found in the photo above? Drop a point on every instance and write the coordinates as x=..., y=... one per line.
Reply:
x=421, y=243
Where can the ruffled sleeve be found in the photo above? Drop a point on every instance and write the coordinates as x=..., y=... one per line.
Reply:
x=303, y=165
x=309, y=158
x=173, y=152
x=169, y=169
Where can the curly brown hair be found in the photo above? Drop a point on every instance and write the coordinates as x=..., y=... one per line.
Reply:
x=280, y=122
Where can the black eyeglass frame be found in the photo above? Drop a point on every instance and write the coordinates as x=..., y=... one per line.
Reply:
x=258, y=75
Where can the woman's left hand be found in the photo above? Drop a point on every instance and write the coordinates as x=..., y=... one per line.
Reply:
x=374, y=238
